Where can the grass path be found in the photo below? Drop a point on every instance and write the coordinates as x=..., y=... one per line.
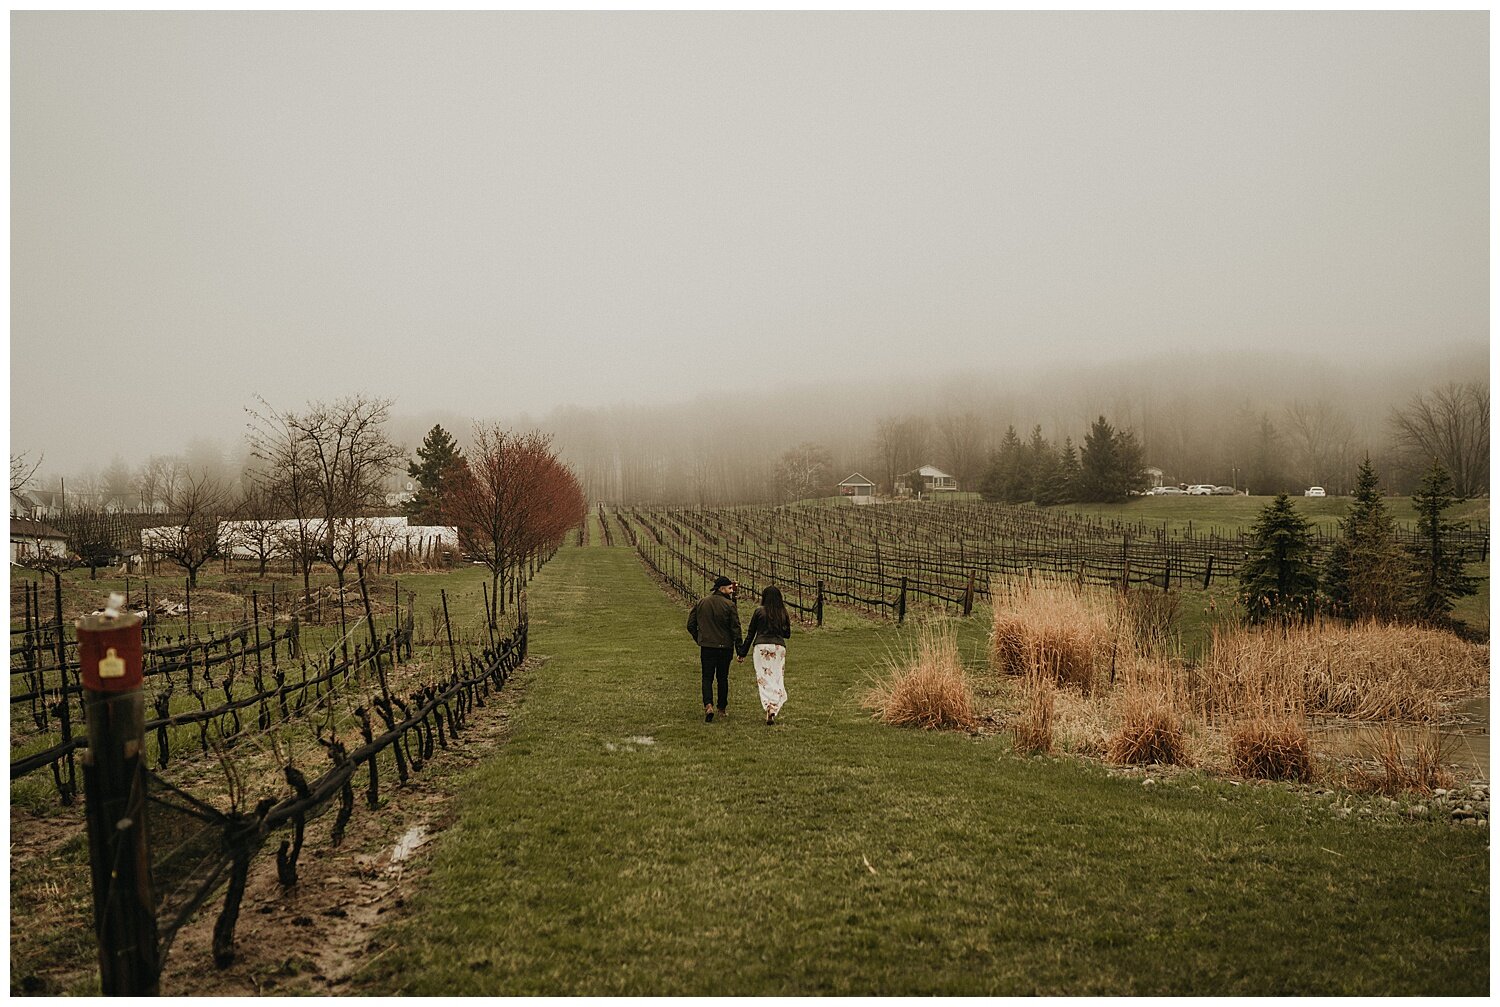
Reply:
x=830, y=854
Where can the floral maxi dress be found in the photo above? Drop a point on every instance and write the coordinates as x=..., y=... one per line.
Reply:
x=770, y=662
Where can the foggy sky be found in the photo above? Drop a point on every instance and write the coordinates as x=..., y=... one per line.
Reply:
x=495, y=213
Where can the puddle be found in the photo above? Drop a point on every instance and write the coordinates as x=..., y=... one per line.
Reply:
x=1464, y=739
x=407, y=844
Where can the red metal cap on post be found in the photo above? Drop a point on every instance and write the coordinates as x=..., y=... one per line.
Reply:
x=109, y=651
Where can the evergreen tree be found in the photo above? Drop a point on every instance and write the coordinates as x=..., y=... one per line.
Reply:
x=1278, y=581
x=437, y=458
x=1067, y=474
x=1440, y=578
x=1098, y=463
x=1367, y=575
x=1130, y=464
x=1112, y=464
x=1008, y=477
x=1042, y=461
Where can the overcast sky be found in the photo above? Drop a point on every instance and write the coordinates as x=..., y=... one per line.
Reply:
x=505, y=212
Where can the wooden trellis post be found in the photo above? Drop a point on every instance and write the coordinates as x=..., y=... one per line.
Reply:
x=110, y=667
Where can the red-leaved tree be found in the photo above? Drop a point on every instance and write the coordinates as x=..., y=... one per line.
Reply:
x=511, y=499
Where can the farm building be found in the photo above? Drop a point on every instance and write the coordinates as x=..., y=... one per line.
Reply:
x=30, y=540
x=1154, y=476
x=858, y=487
x=935, y=480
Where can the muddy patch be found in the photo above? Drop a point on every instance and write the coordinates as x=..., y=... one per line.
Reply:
x=315, y=937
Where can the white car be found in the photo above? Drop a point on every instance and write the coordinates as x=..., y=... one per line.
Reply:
x=1165, y=491
x=1315, y=491
x=1201, y=490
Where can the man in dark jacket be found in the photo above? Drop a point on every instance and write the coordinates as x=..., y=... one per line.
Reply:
x=715, y=624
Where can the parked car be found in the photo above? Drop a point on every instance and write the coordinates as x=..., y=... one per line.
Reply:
x=1225, y=491
x=1314, y=491
x=1164, y=491
x=1200, y=490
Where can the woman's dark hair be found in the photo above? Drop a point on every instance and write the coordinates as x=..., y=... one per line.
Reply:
x=777, y=619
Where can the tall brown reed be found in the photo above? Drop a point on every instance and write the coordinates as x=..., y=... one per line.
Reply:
x=1419, y=767
x=1364, y=671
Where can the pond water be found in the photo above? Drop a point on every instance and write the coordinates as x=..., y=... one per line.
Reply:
x=1465, y=736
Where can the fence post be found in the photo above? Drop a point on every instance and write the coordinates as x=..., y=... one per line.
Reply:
x=1208, y=572
x=110, y=658
x=818, y=605
x=901, y=603
x=69, y=789
x=969, y=596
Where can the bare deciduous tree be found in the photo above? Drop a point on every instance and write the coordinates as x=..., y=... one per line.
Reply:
x=1321, y=439
x=901, y=445
x=1451, y=424
x=257, y=530
x=329, y=465
x=22, y=470
x=197, y=501
x=961, y=446
x=804, y=471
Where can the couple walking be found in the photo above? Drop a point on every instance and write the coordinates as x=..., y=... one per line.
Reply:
x=715, y=624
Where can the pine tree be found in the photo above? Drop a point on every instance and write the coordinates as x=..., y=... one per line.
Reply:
x=1042, y=463
x=1367, y=575
x=1112, y=464
x=1068, y=473
x=1440, y=578
x=1098, y=463
x=1278, y=581
x=1008, y=476
x=438, y=456
x=1130, y=464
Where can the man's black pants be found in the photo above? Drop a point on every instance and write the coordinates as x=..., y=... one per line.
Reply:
x=716, y=665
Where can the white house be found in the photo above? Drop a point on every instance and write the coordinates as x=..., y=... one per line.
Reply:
x=31, y=540
x=935, y=480
x=859, y=488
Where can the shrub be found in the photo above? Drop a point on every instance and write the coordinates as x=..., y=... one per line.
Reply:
x=1065, y=633
x=1271, y=746
x=926, y=687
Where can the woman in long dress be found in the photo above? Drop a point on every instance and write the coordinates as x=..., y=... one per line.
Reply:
x=766, y=635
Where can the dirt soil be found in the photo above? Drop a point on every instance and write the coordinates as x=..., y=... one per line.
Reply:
x=314, y=938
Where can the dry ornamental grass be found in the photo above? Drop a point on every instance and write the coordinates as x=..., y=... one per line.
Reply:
x=1032, y=729
x=926, y=687
x=1268, y=746
x=1150, y=728
x=1071, y=635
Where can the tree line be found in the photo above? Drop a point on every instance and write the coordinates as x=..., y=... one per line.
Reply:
x=317, y=475
x=1367, y=574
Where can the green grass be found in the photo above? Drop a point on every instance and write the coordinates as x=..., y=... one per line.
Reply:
x=1229, y=514
x=830, y=854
